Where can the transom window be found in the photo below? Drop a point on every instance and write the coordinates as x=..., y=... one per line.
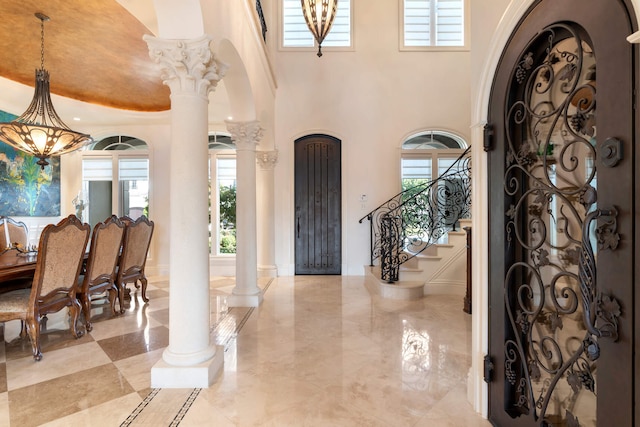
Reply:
x=295, y=32
x=427, y=155
x=433, y=23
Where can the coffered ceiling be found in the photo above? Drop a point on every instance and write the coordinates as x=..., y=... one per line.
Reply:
x=94, y=52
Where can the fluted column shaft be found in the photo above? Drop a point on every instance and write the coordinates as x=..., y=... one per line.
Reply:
x=191, y=71
x=246, y=292
x=267, y=161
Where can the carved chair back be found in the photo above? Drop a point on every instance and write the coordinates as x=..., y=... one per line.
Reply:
x=135, y=247
x=100, y=273
x=13, y=232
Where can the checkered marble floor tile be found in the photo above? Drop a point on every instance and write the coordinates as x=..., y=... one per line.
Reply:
x=319, y=351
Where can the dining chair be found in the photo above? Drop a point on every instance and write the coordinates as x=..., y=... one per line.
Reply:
x=14, y=236
x=60, y=255
x=135, y=246
x=13, y=233
x=100, y=271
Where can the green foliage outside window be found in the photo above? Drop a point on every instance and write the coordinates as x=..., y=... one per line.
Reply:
x=408, y=183
x=228, y=219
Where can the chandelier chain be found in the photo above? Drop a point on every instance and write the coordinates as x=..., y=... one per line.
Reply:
x=42, y=43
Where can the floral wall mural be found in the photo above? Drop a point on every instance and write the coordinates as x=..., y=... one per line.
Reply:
x=25, y=188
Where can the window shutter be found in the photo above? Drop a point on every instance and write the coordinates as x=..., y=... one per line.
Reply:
x=294, y=27
x=340, y=32
x=434, y=22
x=416, y=168
x=450, y=23
x=134, y=169
x=97, y=169
x=417, y=22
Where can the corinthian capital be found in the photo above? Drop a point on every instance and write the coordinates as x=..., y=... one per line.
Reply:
x=267, y=159
x=245, y=134
x=187, y=66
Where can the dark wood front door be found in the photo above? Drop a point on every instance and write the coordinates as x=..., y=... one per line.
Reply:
x=561, y=194
x=318, y=205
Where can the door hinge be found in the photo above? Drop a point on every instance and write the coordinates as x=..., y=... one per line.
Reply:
x=488, y=137
x=488, y=369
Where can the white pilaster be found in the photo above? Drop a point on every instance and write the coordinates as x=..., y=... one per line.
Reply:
x=191, y=71
x=267, y=161
x=246, y=293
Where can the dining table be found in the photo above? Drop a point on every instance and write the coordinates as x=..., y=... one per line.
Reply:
x=16, y=265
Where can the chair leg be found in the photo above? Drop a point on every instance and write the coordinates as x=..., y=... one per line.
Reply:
x=23, y=328
x=74, y=312
x=86, y=310
x=121, y=296
x=33, y=327
x=143, y=280
x=113, y=295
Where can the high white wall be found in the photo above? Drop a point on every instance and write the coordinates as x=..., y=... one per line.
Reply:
x=371, y=98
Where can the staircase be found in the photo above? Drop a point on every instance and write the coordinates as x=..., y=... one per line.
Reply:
x=415, y=248
x=440, y=269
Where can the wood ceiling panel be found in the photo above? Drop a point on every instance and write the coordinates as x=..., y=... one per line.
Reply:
x=94, y=52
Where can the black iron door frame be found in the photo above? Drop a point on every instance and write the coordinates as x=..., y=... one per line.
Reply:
x=606, y=279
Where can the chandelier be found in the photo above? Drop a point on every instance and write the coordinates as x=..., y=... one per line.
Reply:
x=319, y=15
x=39, y=131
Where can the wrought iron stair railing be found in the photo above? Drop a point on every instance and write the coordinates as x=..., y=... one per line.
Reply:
x=416, y=218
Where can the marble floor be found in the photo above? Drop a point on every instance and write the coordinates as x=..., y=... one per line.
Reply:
x=319, y=351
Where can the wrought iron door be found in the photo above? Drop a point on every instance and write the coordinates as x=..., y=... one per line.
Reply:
x=318, y=205
x=561, y=221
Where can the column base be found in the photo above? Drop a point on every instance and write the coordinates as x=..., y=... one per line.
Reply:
x=267, y=271
x=203, y=375
x=255, y=300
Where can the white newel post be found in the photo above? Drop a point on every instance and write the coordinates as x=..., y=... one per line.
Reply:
x=246, y=293
x=267, y=161
x=191, y=71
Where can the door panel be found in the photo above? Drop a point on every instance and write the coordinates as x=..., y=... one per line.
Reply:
x=561, y=269
x=318, y=205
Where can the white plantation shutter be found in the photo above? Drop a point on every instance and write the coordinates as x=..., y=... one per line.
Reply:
x=133, y=169
x=294, y=27
x=433, y=23
x=450, y=23
x=417, y=22
x=340, y=32
x=295, y=32
x=99, y=169
x=414, y=167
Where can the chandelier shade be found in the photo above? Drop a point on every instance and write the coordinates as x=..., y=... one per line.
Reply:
x=319, y=15
x=39, y=131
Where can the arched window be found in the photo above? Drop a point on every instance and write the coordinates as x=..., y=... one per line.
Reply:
x=115, y=179
x=222, y=185
x=426, y=155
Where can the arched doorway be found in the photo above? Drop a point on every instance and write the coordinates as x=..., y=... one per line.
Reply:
x=561, y=321
x=318, y=195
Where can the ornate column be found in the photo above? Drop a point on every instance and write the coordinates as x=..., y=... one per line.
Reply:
x=246, y=293
x=191, y=71
x=267, y=161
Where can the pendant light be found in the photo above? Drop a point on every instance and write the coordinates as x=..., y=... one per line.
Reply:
x=319, y=15
x=39, y=131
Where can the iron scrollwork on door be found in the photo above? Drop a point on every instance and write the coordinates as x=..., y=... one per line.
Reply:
x=601, y=312
x=550, y=291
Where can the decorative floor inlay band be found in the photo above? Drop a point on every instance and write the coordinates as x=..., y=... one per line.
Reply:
x=140, y=407
x=231, y=321
x=183, y=410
